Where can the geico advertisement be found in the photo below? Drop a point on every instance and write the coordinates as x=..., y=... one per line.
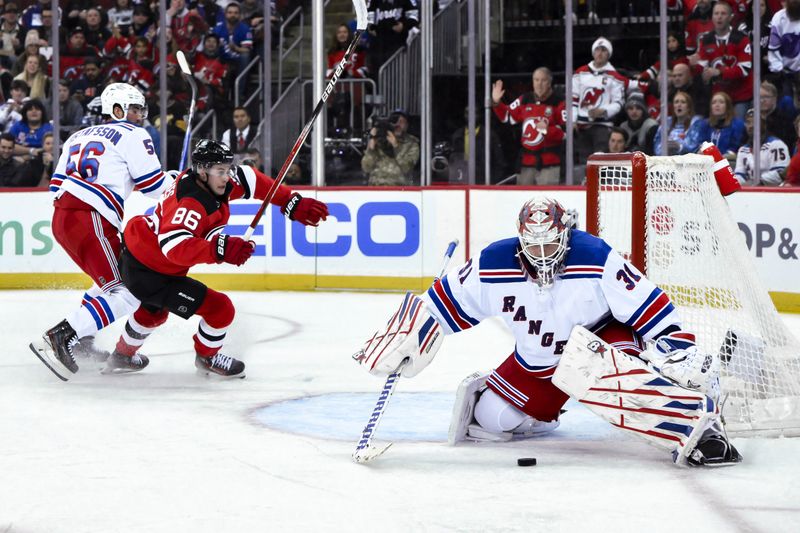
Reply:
x=393, y=233
x=367, y=233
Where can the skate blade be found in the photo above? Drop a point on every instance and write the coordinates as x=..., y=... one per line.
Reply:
x=214, y=376
x=106, y=371
x=370, y=453
x=56, y=367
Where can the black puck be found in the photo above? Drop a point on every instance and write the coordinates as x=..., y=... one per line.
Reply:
x=526, y=461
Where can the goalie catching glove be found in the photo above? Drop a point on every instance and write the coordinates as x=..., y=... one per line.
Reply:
x=677, y=358
x=412, y=336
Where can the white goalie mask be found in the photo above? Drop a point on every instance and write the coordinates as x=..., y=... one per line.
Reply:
x=123, y=95
x=544, y=229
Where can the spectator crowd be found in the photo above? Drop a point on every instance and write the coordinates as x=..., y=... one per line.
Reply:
x=709, y=73
x=107, y=41
x=710, y=95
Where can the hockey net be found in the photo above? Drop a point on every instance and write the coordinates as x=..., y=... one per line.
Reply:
x=667, y=216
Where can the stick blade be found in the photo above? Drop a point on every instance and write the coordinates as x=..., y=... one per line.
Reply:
x=369, y=453
x=182, y=63
x=361, y=14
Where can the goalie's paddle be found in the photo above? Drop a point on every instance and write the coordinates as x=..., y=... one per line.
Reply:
x=365, y=450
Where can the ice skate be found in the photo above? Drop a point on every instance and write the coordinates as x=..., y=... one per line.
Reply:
x=86, y=349
x=219, y=365
x=119, y=363
x=55, y=351
x=713, y=449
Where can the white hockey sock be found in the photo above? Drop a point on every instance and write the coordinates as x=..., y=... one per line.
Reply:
x=93, y=292
x=495, y=414
x=97, y=312
x=210, y=338
x=134, y=333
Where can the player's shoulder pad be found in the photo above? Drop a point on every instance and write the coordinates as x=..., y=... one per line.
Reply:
x=499, y=263
x=188, y=188
x=126, y=127
x=247, y=178
x=586, y=249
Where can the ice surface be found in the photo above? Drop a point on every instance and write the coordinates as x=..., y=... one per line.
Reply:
x=169, y=451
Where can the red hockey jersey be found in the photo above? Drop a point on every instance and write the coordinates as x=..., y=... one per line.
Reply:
x=539, y=149
x=182, y=230
x=355, y=68
x=734, y=59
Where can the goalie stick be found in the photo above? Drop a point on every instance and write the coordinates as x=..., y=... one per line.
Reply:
x=365, y=451
x=360, y=7
x=187, y=73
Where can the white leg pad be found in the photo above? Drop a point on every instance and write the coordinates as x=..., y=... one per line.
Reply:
x=625, y=391
x=467, y=395
x=481, y=415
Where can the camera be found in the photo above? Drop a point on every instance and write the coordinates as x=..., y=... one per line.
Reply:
x=440, y=164
x=382, y=126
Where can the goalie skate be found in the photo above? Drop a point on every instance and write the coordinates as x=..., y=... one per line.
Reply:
x=713, y=449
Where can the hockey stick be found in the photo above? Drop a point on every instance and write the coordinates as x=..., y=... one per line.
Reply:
x=365, y=451
x=187, y=73
x=361, y=25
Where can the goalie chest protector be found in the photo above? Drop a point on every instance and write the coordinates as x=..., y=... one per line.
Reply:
x=594, y=286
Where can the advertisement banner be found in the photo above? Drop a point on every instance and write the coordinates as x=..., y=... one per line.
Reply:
x=374, y=238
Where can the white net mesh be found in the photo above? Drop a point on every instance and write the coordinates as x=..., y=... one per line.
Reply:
x=696, y=253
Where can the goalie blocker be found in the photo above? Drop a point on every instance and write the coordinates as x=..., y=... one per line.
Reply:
x=412, y=336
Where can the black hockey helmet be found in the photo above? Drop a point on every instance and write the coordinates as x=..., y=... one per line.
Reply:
x=209, y=152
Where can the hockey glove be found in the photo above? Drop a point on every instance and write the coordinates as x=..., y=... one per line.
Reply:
x=411, y=337
x=307, y=211
x=677, y=358
x=233, y=250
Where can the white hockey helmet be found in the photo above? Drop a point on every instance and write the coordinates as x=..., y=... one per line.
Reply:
x=544, y=230
x=123, y=95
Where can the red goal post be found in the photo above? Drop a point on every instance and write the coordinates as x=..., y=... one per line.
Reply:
x=637, y=162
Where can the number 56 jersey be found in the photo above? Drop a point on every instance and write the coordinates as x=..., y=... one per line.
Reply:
x=102, y=165
x=594, y=286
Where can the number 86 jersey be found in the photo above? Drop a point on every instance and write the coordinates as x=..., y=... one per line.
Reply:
x=102, y=165
x=182, y=230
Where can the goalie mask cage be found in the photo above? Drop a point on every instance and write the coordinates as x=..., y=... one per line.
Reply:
x=667, y=216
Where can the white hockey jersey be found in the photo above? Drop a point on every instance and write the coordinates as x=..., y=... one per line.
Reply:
x=603, y=88
x=102, y=165
x=774, y=160
x=784, y=37
x=594, y=286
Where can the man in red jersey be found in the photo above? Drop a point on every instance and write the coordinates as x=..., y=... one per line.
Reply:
x=542, y=116
x=185, y=230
